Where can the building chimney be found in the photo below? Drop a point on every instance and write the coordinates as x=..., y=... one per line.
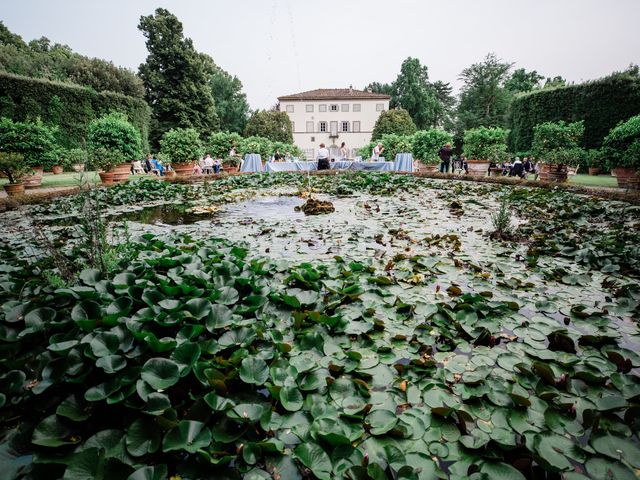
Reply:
x=350, y=89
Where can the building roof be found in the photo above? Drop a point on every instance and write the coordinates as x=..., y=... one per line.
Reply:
x=334, y=94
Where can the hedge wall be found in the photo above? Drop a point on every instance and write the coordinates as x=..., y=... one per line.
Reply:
x=69, y=107
x=602, y=104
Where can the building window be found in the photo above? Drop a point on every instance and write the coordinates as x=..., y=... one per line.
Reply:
x=344, y=107
x=333, y=108
x=379, y=107
x=313, y=139
x=334, y=129
x=344, y=126
x=309, y=107
x=289, y=108
x=322, y=108
x=356, y=107
x=356, y=127
x=323, y=127
x=309, y=127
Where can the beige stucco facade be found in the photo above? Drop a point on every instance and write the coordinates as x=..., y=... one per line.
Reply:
x=332, y=121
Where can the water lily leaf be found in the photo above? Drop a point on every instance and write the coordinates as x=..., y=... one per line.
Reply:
x=186, y=355
x=618, y=448
x=189, y=435
x=315, y=459
x=254, y=370
x=198, y=307
x=291, y=398
x=111, y=363
x=228, y=296
x=160, y=373
x=53, y=432
x=90, y=276
x=219, y=316
x=156, y=472
x=143, y=437
x=609, y=469
x=381, y=421
x=501, y=471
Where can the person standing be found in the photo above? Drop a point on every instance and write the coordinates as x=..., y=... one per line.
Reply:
x=277, y=157
x=445, y=154
x=344, y=151
x=464, y=164
x=323, y=158
x=377, y=151
x=517, y=169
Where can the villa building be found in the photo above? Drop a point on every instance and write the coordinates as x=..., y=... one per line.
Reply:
x=332, y=116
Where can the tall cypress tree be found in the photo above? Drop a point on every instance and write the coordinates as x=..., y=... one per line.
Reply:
x=177, y=87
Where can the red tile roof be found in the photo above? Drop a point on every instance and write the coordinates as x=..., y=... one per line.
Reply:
x=334, y=94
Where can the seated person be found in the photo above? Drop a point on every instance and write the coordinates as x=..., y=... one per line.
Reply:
x=148, y=165
x=323, y=158
x=197, y=169
x=136, y=166
x=216, y=166
x=517, y=169
x=158, y=168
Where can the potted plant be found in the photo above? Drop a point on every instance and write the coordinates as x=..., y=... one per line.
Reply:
x=181, y=147
x=594, y=159
x=556, y=144
x=394, y=144
x=483, y=146
x=231, y=164
x=74, y=159
x=426, y=144
x=15, y=168
x=113, y=139
x=622, y=149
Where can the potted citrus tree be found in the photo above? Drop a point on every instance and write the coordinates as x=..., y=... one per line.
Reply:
x=557, y=145
x=114, y=138
x=74, y=159
x=482, y=146
x=622, y=149
x=594, y=160
x=426, y=144
x=15, y=168
x=181, y=147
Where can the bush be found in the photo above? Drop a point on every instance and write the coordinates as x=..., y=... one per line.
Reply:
x=484, y=143
x=366, y=151
x=260, y=145
x=33, y=140
x=595, y=158
x=69, y=108
x=275, y=126
x=397, y=121
x=181, y=145
x=427, y=144
x=14, y=166
x=283, y=148
x=622, y=144
x=558, y=142
x=72, y=156
x=219, y=144
x=394, y=144
x=602, y=104
x=113, y=139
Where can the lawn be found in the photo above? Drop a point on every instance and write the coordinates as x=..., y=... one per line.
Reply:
x=67, y=179
x=594, y=180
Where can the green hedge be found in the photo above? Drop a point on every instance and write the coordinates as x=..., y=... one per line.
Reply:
x=70, y=108
x=602, y=104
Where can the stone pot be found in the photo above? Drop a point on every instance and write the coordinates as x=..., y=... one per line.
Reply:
x=121, y=172
x=32, y=181
x=627, y=177
x=182, y=169
x=13, y=189
x=478, y=168
x=594, y=171
x=551, y=172
x=106, y=178
x=57, y=169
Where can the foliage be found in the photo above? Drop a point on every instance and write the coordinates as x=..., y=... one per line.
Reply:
x=622, y=144
x=176, y=84
x=285, y=148
x=501, y=220
x=595, y=158
x=394, y=144
x=33, y=140
x=254, y=144
x=427, y=144
x=558, y=142
x=113, y=139
x=485, y=143
x=484, y=100
x=396, y=121
x=601, y=104
x=56, y=62
x=219, y=144
x=181, y=145
x=26, y=100
x=72, y=156
x=14, y=166
x=272, y=125
x=523, y=81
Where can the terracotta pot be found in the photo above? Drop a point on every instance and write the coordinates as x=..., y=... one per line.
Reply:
x=594, y=170
x=627, y=177
x=183, y=169
x=106, y=178
x=478, y=168
x=78, y=167
x=121, y=172
x=38, y=170
x=57, y=169
x=13, y=189
x=427, y=168
x=230, y=168
x=170, y=173
x=551, y=172
x=32, y=181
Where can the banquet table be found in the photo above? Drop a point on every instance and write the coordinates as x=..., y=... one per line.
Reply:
x=252, y=163
x=403, y=162
x=338, y=165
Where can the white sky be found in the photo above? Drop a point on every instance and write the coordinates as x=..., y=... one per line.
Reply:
x=279, y=47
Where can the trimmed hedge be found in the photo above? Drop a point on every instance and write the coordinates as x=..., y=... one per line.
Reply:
x=71, y=108
x=602, y=104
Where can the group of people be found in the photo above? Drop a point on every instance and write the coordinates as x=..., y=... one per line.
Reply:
x=519, y=168
x=458, y=164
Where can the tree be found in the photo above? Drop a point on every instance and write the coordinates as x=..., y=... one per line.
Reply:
x=231, y=103
x=523, y=81
x=416, y=95
x=112, y=139
x=554, y=82
x=7, y=37
x=275, y=126
x=397, y=121
x=446, y=113
x=385, y=89
x=484, y=100
x=176, y=84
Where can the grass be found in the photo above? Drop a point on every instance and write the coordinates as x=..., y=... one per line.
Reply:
x=594, y=180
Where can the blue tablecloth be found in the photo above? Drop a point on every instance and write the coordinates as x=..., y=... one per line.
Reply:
x=404, y=162
x=339, y=165
x=373, y=166
x=252, y=163
x=290, y=166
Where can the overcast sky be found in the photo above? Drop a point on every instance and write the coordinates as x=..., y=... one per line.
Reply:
x=279, y=47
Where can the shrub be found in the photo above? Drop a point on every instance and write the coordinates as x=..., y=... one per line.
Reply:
x=622, y=144
x=484, y=143
x=558, y=142
x=33, y=140
x=181, y=145
x=113, y=140
x=14, y=166
x=397, y=121
x=367, y=150
x=219, y=144
x=595, y=158
x=427, y=144
x=260, y=145
x=72, y=156
x=394, y=144
x=283, y=148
